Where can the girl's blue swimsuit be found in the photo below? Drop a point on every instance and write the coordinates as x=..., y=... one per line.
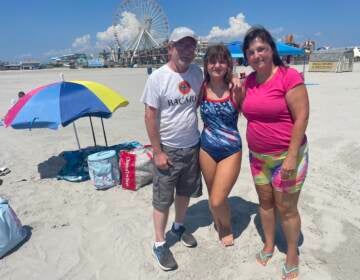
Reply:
x=220, y=137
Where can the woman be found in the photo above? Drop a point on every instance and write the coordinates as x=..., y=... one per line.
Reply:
x=277, y=109
x=220, y=152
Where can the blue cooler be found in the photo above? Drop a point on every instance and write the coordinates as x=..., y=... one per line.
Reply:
x=104, y=169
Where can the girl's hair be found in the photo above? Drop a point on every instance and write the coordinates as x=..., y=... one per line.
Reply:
x=261, y=33
x=215, y=53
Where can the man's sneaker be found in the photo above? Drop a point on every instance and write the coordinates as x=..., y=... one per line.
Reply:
x=164, y=257
x=186, y=238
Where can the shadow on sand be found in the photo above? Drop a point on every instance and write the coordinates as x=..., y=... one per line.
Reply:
x=280, y=240
x=198, y=215
x=51, y=167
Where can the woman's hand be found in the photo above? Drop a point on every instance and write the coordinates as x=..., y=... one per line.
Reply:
x=237, y=84
x=288, y=167
x=239, y=91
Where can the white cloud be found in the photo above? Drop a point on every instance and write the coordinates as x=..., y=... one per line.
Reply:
x=236, y=30
x=299, y=36
x=25, y=56
x=277, y=30
x=52, y=53
x=126, y=31
x=82, y=43
x=317, y=34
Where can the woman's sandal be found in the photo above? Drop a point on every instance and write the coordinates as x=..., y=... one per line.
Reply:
x=263, y=258
x=287, y=271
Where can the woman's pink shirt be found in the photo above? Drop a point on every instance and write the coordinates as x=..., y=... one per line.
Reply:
x=270, y=123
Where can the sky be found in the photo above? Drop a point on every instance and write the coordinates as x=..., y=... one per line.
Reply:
x=40, y=29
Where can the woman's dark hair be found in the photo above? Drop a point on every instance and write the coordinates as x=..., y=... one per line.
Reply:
x=215, y=53
x=261, y=33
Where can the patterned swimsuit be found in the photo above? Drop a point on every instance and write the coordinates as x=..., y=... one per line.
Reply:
x=220, y=137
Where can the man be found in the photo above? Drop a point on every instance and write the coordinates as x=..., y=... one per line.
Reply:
x=170, y=98
x=21, y=94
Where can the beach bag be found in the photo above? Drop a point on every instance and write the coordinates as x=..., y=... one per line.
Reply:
x=103, y=169
x=11, y=230
x=136, y=167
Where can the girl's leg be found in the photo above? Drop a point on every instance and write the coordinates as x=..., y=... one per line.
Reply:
x=225, y=177
x=208, y=168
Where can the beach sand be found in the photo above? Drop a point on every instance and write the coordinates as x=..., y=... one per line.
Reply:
x=80, y=233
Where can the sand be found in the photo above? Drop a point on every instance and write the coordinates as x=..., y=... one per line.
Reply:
x=80, y=233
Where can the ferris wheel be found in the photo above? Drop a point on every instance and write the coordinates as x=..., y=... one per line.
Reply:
x=152, y=25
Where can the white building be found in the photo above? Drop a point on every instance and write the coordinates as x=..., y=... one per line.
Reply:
x=356, y=51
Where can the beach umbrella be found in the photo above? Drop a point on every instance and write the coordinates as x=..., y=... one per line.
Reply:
x=61, y=103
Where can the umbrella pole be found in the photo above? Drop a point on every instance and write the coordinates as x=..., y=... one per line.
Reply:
x=92, y=130
x=102, y=123
x=304, y=66
x=76, y=135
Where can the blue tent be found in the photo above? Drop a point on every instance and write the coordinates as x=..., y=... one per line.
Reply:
x=284, y=49
x=235, y=49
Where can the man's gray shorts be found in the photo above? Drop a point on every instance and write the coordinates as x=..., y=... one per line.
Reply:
x=183, y=176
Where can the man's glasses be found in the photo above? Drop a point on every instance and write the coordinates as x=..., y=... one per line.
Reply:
x=185, y=45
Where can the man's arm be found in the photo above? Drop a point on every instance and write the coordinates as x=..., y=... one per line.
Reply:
x=160, y=158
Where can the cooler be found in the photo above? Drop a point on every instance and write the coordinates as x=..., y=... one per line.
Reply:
x=104, y=169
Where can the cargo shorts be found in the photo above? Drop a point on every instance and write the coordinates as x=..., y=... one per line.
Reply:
x=183, y=177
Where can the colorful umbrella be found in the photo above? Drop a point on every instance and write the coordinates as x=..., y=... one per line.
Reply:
x=62, y=103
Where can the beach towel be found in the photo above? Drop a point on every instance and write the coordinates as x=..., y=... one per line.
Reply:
x=76, y=167
x=136, y=167
x=11, y=230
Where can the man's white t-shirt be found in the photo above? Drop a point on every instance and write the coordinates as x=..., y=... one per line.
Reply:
x=175, y=95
